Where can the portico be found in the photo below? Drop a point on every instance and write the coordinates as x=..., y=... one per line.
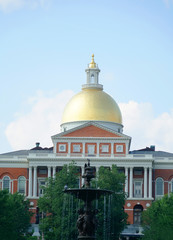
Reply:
x=138, y=184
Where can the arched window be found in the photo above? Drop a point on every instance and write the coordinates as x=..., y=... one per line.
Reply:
x=22, y=184
x=6, y=183
x=159, y=187
x=137, y=212
x=92, y=78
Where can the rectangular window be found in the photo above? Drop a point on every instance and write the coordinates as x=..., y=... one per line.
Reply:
x=42, y=170
x=119, y=148
x=138, y=189
x=62, y=147
x=105, y=148
x=41, y=183
x=76, y=148
x=91, y=149
x=137, y=171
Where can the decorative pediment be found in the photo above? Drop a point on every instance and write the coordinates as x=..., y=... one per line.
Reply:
x=91, y=130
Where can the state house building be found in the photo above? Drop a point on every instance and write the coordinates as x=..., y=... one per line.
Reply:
x=91, y=127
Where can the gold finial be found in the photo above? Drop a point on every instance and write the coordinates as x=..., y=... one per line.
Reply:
x=92, y=63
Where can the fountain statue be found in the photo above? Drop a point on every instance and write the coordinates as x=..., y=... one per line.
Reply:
x=87, y=220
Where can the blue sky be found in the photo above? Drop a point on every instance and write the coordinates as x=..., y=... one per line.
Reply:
x=45, y=46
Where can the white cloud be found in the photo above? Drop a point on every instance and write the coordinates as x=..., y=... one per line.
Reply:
x=43, y=121
x=40, y=123
x=146, y=129
x=12, y=5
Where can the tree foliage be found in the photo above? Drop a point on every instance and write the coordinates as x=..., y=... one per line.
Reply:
x=61, y=209
x=55, y=224
x=14, y=216
x=158, y=220
x=110, y=179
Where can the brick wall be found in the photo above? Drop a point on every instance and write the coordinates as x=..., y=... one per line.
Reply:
x=14, y=174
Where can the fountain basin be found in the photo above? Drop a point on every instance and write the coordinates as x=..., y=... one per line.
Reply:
x=87, y=194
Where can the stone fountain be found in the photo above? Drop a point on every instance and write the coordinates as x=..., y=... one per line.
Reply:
x=87, y=220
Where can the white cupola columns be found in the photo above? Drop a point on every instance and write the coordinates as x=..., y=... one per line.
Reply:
x=92, y=76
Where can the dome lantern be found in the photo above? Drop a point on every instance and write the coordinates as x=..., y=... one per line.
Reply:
x=92, y=76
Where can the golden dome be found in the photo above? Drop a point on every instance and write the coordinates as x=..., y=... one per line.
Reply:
x=92, y=104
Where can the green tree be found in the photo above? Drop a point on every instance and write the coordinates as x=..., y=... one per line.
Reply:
x=59, y=222
x=14, y=216
x=61, y=209
x=158, y=220
x=115, y=219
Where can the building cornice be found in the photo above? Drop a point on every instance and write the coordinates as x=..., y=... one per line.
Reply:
x=83, y=139
x=11, y=164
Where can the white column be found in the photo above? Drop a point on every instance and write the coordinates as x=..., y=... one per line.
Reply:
x=30, y=182
x=126, y=181
x=150, y=182
x=98, y=150
x=54, y=171
x=112, y=149
x=131, y=182
x=35, y=182
x=69, y=149
x=145, y=182
x=49, y=172
x=83, y=149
